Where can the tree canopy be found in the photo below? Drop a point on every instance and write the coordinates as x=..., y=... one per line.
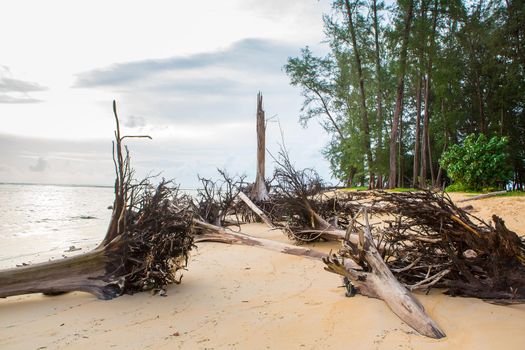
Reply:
x=403, y=83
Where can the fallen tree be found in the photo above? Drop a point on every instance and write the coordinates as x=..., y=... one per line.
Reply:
x=147, y=243
x=433, y=242
x=374, y=279
x=376, y=282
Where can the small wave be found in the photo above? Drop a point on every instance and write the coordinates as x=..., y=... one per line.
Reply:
x=84, y=217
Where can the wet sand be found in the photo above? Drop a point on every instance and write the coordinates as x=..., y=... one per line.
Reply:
x=249, y=298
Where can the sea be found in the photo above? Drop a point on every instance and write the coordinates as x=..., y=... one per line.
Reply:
x=46, y=222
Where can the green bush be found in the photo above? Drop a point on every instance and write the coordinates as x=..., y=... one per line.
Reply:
x=478, y=163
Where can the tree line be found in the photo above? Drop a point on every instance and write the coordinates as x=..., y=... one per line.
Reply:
x=403, y=83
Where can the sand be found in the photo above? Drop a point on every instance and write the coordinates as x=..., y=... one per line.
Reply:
x=236, y=297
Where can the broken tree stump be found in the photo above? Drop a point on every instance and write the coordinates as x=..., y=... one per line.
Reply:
x=259, y=190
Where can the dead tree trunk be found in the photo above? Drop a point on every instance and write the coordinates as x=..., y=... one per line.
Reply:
x=256, y=210
x=214, y=233
x=481, y=196
x=377, y=281
x=79, y=273
x=147, y=242
x=259, y=191
x=382, y=285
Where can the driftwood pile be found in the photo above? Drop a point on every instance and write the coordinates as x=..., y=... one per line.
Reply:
x=424, y=238
x=416, y=240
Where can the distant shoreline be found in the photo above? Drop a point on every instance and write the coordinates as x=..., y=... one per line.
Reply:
x=56, y=185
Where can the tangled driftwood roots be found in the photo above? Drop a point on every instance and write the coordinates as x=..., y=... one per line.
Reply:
x=433, y=243
x=148, y=241
x=374, y=279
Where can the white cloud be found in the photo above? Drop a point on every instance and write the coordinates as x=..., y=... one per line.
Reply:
x=186, y=73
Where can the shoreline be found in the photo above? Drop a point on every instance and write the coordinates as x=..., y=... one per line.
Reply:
x=247, y=297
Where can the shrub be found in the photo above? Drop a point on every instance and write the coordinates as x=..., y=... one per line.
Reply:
x=478, y=163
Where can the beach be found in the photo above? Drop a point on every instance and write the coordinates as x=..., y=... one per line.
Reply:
x=238, y=297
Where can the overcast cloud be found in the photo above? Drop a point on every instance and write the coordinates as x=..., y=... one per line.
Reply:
x=16, y=90
x=185, y=73
x=255, y=55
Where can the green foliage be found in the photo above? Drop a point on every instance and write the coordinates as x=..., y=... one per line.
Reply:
x=512, y=194
x=472, y=55
x=478, y=164
x=356, y=188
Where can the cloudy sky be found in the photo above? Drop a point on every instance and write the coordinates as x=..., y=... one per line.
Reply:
x=185, y=72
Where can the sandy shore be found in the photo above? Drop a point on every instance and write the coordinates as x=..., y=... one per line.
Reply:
x=250, y=298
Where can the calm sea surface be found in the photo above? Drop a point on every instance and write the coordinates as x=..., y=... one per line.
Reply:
x=41, y=222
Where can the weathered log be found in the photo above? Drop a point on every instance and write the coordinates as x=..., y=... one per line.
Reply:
x=214, y=233
x=88, y=272
x=147, y=242
x=377, y=281
x=380, y=283
x=256, y=210
x=481, y=196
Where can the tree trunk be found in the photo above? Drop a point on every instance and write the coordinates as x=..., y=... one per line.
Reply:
x=417, y=141
x=482, y=123
x=379, y=95
x=430, y=163
x=364, y=112
x=380, y=283
x=256, y=210
x=259, y=191
x=86, y=272
x=426, y=149
x=214, y=233
x=399, y=93
x=400, y=155
x=481, y=196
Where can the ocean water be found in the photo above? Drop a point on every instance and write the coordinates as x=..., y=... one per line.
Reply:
x=42, y=222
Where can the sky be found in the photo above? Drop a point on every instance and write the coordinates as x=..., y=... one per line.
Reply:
x=184, y=72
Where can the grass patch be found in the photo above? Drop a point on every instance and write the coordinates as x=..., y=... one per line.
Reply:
x=356, y=188
x=397, y=189
x=512, y=194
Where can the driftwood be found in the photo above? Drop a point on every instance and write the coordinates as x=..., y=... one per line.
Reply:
x=481, y=196
x=433, y=243
x=377, y=281
x=216, y=200
x=147, y=242
x=256, y=210
x=212, y=233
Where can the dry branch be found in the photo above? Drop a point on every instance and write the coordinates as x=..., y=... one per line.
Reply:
x=256, y=210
